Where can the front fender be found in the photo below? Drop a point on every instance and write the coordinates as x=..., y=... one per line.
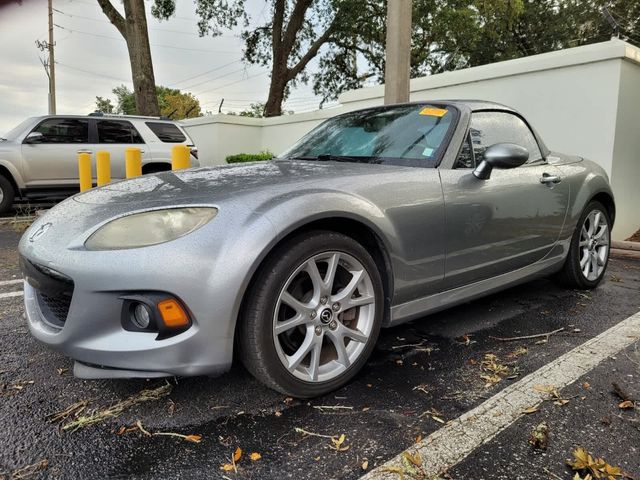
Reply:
x=289, y=212
x=15, y=173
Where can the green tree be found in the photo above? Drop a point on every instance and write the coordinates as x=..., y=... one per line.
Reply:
x=104, y=105
x=172, y=103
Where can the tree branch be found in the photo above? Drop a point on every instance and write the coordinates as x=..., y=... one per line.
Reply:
x=296, y=19
x=312, y=52
x=114, y=16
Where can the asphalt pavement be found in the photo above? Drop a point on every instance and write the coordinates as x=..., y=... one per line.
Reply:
x=421, y=374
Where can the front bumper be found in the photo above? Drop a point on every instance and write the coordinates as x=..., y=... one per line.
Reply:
x=87, y=324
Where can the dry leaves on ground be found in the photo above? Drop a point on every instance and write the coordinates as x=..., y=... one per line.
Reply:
x=584, y=464
x=539, y=437
x=29, y=470
x=493, y=370
x=97, y=416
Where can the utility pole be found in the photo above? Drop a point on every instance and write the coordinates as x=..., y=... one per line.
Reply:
x=52, y=64
x=398, y=52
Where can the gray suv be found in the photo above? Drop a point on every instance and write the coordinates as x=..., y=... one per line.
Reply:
x=38, y=158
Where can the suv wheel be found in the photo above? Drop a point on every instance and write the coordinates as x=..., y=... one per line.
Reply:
x=7, y=194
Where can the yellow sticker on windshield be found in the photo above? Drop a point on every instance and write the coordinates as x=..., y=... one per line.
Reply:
x=433, y=112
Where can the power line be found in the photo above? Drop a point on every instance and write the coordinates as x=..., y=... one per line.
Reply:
x=95, y=74
x=168, y=30
x=215, y=78
x=205, y=73
x=233, y=83
x=152, y=44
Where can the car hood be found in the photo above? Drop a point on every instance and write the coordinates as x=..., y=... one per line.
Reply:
x=229, y=182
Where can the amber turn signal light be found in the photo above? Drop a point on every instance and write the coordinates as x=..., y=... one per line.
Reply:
x=172, y=313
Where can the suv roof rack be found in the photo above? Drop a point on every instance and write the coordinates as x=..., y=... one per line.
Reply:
x=118, y=115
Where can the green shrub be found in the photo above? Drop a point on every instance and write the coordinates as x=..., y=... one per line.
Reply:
x=249, y=157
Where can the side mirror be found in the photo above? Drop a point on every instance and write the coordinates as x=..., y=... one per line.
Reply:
x=34, y=137
x=501, y=155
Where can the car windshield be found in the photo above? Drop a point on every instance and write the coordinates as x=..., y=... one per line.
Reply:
x=15, y=132
x=411, y=135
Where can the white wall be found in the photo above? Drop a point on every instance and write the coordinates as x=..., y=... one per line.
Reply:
x=625, y=177
x=584, y=101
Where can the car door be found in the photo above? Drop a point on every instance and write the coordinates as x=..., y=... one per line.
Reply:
x=115, y=136
x=508, y=221
x=52, y=161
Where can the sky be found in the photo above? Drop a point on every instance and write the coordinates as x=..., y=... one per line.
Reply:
x=92, y=59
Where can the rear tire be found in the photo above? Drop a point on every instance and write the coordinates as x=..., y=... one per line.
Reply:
x=588, y=256
x=7, y=194
x=314, y=293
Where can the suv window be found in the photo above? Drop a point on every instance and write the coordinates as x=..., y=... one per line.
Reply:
x=166, y=132
x=489, y=128
x=117, y=131
x=64, y=130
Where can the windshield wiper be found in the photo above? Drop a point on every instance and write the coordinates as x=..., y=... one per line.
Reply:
x=3, y=139
x=339, y=158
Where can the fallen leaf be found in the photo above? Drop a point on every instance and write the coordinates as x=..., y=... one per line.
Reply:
x=338, y=443
x=237, y=454
x=586, y=385
x=529, y=410
x=365, y=464
x=418, y=438
x=278, y=413
x=255, y=456
x=627, y=404
x=227, y=467
x=415, y=458
x=193, y=438
x=539, y=437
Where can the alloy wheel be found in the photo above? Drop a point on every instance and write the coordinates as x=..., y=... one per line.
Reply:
x=594, y=245
x=324, y=316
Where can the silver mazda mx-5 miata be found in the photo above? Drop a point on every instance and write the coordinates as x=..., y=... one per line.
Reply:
x=376, y=217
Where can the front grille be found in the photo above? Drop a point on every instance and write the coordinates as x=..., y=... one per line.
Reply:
x=55, y=308
x=54, y=291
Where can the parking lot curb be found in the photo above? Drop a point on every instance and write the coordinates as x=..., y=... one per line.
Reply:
x=449, y=445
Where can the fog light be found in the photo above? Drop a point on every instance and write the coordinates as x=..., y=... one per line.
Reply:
x=141, y=316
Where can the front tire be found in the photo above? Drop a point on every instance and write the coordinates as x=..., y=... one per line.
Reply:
x=588, y=255
x=312, y=315
x=7, y=194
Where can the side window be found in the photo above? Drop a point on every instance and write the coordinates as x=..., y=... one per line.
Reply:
x=489, y=128
x=64, y=130
x=117, y=131
x=465, y=157
x=166, y=132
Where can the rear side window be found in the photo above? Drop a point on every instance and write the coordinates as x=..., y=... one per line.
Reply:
x=489, y=128
x=64, y=130
x=117, y=131
x=166, y=132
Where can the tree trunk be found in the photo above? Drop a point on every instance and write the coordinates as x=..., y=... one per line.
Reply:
x=144, y=84
x=279, y=79
x=133, y=29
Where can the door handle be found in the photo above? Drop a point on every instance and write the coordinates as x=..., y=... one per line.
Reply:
x=84, y=151
x=547, y=179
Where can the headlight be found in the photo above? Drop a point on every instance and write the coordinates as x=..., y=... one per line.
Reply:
x=149, y=228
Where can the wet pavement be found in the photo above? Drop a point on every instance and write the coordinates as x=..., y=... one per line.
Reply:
x=432, y=365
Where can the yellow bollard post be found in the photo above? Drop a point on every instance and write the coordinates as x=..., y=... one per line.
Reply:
x=133, y=162
x=84, y=171
x=103, y=168
x=180, y=157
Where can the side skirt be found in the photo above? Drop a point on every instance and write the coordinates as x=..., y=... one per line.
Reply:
x=443, y=300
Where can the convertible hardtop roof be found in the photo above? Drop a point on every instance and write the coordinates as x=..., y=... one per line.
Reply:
x=469, y=106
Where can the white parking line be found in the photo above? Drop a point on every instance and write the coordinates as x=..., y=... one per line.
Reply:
x=11, y=282
x=451, y=444
x=11, y=294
